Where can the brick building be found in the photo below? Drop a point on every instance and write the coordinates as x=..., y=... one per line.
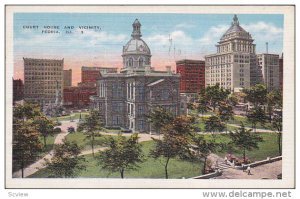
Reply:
x=192, y=75
x=67, y=78
x=18, y=90
x=78, y=96
x=91, y=74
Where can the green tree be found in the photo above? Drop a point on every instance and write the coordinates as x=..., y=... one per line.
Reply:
x=216, y=94
x=45, y=127
x=66, y=161
x=225, y=113
x=201, y=149
x=26, y=111
x=202, y=102
x=233, y=99
x=274, y=101
x=256, y=115
x=90, y=125
x=214, y=124
x=158, y=117
x=245, y=140
x=256, y=95
x=26, y=143
x=277, y=126
x=122, y=154
x=175, y=142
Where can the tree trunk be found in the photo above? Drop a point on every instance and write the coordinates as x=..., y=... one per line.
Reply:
x=45, y=143
x=166, y=168
x=204, y=166
x=279, y=143
x=93, y=138
x=22, y=168
x=244, y=155
x=122, y=173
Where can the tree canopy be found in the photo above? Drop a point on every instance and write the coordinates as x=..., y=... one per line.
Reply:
x=122, y=154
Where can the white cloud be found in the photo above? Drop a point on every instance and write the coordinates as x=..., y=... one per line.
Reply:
x=264, y=32
x=213, y=35
x=178, y=38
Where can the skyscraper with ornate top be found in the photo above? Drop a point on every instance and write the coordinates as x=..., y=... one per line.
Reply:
x=234, y=65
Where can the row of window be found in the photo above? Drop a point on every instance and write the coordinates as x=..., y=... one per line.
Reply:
x=43, y=64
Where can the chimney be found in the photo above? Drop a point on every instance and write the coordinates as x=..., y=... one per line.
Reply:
x=267, y=49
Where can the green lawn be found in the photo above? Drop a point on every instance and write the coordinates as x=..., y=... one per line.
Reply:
x=73, y=116
x=49, y=144
x=154, y=168
x=85, y=143
x=267, y=148
x=43, y=152
x=238, y=119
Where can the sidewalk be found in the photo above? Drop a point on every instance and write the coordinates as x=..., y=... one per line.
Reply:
x=39, y=164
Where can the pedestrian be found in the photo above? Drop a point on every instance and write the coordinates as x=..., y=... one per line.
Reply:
x=249, y=170
x=243, y=167
x=225, y=159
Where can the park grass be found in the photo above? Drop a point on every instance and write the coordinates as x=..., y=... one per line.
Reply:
x=239, y=119
x=49, y=144
x=177, y=169
x=44, y=151
x=150, y=168
x=85, y=143
x=73, y=117
x=267, y=148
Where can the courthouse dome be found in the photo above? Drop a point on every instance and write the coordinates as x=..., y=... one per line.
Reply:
x=136, y=45
x=235, y=31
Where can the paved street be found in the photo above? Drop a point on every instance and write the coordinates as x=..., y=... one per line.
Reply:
x=266, y=171
x=40, y=163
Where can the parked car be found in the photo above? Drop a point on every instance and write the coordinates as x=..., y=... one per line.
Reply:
x=126, y=130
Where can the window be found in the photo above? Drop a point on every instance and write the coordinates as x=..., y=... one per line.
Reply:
x=130, y=62
x=141, y=124
x=140, y=109
x=141, y=62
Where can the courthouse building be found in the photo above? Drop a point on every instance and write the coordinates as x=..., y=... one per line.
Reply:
x=125, y=98
x=43, y=80
x=234, y=65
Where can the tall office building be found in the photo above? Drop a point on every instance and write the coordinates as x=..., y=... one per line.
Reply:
x=192, y=75
x=43, y=80
x=67, y=78
x=281, y=72
x=234, y=65
x=269, y=65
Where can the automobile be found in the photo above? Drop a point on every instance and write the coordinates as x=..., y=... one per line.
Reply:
x=126, y=130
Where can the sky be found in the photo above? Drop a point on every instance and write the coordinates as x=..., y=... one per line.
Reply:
x=170, y=37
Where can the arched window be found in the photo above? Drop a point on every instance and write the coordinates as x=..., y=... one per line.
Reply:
x=141, y=62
